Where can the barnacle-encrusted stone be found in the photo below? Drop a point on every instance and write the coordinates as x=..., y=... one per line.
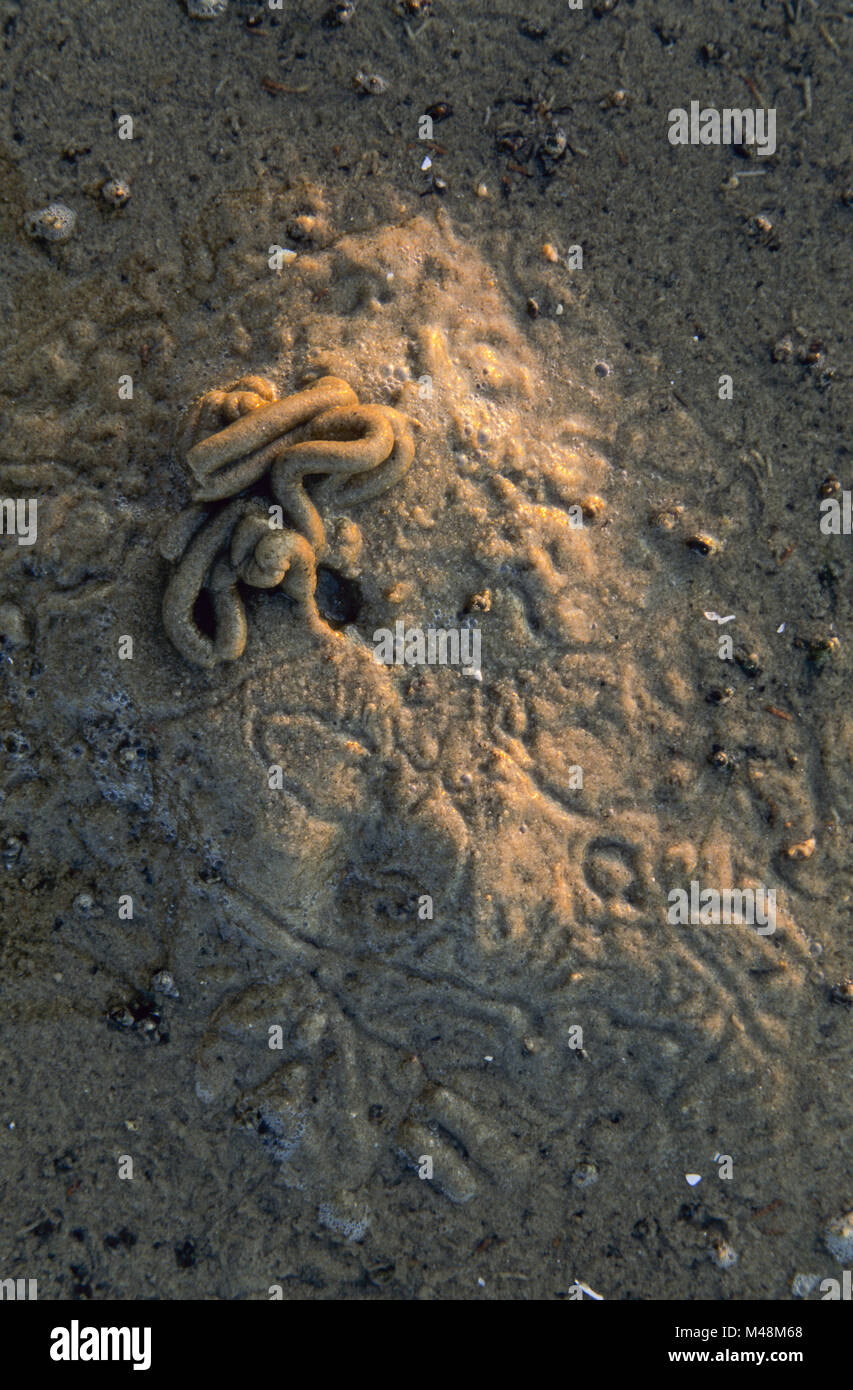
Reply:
x=116, y=192
x=363, y=450
x=56, y=222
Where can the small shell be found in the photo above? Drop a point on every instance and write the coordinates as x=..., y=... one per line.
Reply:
x=56, y=222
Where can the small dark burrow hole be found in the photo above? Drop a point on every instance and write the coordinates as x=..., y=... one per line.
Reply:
x=203, y=615
x=339, y=599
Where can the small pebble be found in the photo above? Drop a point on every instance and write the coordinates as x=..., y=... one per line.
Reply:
x=308, y=227
x=341, y=13
x=702, y=544
x=782, y=350
x=12, y=849
x=164, y=983
x=13, y=626
x=371, y=82
x=592, y=507
x=804, y=1284
x=550, y=253
x=666, y=520
x=554, y=144
x=481, y=190
x=585, y=1175
x=812, y=354
x=478, y=603
x=842, y=992
x=748, y=662
x=723, y=1255
x=838, y=1237
x=53, y=223
x=116, y=192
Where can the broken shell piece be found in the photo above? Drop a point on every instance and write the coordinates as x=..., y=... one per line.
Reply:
x=703, y=544
x=804, y=850
x=206, y=9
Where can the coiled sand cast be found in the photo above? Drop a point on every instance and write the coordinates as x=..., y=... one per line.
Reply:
x=232, y=440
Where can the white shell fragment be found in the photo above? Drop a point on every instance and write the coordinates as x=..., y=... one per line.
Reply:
x=206, y=9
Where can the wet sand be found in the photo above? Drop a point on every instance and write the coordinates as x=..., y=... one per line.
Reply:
x=449, y=915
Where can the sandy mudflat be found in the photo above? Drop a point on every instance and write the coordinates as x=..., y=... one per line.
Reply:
x=451, y=910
